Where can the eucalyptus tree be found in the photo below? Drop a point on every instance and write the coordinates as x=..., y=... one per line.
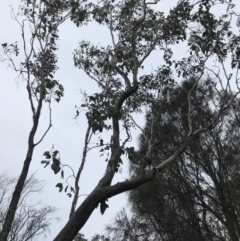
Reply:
x=40, y=20
x=137, y=29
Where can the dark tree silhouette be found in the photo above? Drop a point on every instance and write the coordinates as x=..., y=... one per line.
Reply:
x=195, y=198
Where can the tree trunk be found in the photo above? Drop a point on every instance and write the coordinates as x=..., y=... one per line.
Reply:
x=7, y=225
x=83, y=213
x=16, y=196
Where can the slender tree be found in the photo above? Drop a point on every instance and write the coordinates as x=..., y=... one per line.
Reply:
x=31, y=220
x=42, y=19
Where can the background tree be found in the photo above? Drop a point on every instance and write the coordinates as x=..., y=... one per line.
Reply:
x=96, y=237
x=32, y=220
x=80, y=237
x=196, y=198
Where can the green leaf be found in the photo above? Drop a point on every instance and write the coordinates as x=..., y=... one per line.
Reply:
x=60, y=186
x=56, y=168
x=66, y=188
x=55, y=153
x=47, y=163
x=47, y=154
x=56, y=160
x=103, y=206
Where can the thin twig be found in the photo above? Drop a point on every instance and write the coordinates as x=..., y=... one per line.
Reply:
x=49, y=126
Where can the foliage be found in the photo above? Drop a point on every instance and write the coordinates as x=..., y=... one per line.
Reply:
x=196, y=198
x=80, y=237
x=96, y=237
x=137, y=29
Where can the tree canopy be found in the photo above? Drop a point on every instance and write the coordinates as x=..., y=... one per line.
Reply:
x=209, y=60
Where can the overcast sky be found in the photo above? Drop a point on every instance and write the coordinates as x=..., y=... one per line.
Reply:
x=67, y=135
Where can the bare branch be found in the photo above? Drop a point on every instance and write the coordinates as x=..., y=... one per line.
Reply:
x=84, y=155
x=139, y=127
x=128, y=136
x=111, y=29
